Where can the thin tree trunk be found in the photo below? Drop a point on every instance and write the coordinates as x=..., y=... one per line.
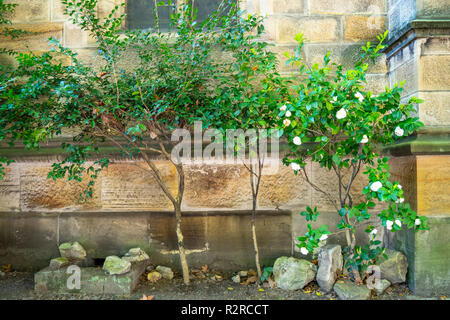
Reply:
x=181, y=248
x=255, y=240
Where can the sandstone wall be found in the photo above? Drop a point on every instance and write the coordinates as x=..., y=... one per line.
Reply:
x=128, y=208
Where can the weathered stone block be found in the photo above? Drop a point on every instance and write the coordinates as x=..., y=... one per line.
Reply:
x=315, y=29
x=30, y=11
x=433, y=9
x=284, y=6
x=347, y=6
x=127, y=186
x=276, y=189
x=428, y=256
x=433, y=172
x=293, y=274
x=330, y=262
x=217, y=186
x=38, y=39
x=347, y=290
x=434, y=72
x=104, y=234
x=92, y=281
x=40, y=193
x=10, y=189
x=395, y=267
x=361, y=28
x=434, y=111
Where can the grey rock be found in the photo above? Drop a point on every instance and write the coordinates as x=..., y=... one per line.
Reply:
x=150, y=268
x=381, y=285
x=2, y=274
x=394, y=268
x=136, y=255
x=72, y=251
x=58, y=263
x=348, y=290
x=236, y=279
x=166, y=272
x=116, y=265
x=330, y=262
x=293, y=274
x=243, y=273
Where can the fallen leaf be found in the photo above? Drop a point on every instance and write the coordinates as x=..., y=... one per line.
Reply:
x=307, y=291
x=144, y=297
x=318, y=293
x=7, y=268
x=252, y=279
x=316, y=262
x=272, y=283
x=261, y=289
x=230, y=288
x=205, y=268
x=443, y=297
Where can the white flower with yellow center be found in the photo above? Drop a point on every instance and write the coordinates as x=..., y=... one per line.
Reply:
x=417, y=222
x=399, y=132
x=323, y=237
x=389, y=224
x=288, y=113
x=295, y=166
x=376, y=186
x=283, y=108
x=359, y=96
x=364, y=139
x=286, y=122
x=304, y=251
x=297, y=141
x=341, y=114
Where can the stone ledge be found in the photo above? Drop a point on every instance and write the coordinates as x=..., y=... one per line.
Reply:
x=418, y=28
x=428, y=141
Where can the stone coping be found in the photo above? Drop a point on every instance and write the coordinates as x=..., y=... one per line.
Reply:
x=417, y=28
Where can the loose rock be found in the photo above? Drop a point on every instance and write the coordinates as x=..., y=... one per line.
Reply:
x=2, y=274
x=149, y=268
x=58, y=263
x=330, y=262
x=136, y=255
x=154, y=276
x=395, y=267
x=166, y=272
x=347, y=290
x=243, y=273
x=236, y=279
x=116, y=265
x=381, y=285
x=72, y=251
x=293, y=274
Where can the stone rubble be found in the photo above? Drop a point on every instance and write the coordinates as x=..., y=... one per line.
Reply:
x=292, y=274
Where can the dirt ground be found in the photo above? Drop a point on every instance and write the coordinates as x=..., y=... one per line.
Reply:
x=20, y=286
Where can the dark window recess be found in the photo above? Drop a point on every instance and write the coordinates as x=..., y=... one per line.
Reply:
x=140, y=13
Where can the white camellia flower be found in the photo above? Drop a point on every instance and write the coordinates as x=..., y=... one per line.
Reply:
x=359, y=96
x=334, y=100
x=399, y=132
x=373, y=232
x=341, y=114
x=323, y=237
x=399, y=186
x=304, y=251
x=297, y=141
x=398, y=222
x=283, y=107
x=376, y=186
x=389, y=224
x=400, y=200
x=417, y=222
x=364, y=139
x=288, y=113
x=286, y=122
x=295, y=166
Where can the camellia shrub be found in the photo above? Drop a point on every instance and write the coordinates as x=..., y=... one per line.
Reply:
x=330, y=119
